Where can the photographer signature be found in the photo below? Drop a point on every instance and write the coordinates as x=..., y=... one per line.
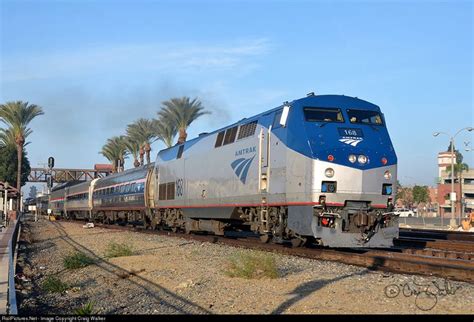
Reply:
x=426, y=293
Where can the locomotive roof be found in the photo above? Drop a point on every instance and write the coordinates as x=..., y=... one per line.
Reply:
x=330, y=100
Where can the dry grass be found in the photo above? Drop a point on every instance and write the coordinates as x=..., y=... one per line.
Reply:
x=77, y=260
x=252, y=266
x=118, y=250
x=52, y=284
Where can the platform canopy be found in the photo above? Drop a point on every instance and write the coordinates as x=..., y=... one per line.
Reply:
x=12, y=192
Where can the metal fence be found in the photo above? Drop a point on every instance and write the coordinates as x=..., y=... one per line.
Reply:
x=434, y=222
x=12, y=307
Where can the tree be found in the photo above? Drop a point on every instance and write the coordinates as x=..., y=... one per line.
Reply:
x=8, y=164
x=133, y=147
x=33, y=192
x=143, y=132
x=405, y=194
x=17, y=115
x=165, y=131
x=421, y=194
x=7, y=138
x=458, y=169
x=399, y=190
x=181, y=112
x=114, y=150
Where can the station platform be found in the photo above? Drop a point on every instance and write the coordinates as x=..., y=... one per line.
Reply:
x=5, y=236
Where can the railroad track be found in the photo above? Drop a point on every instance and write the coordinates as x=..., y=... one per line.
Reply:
x=437, y=234
x=415, y=255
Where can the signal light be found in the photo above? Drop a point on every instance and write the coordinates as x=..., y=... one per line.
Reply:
x=330, y=158
x=384, y=161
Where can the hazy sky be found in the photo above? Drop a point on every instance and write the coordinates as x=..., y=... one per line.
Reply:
x=96, y=66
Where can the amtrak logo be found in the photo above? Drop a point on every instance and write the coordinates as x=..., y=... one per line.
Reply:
x=241, y=168
x=351, y=141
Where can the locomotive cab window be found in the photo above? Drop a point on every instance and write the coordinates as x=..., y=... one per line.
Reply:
x=365, y=117
x=319, y=114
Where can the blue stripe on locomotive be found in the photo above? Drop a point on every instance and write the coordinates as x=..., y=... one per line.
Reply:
x=317, y=140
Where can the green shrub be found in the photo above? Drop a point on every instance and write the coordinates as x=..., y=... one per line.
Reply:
x=77, y=260
x=86, y=309
x=52, y=284
x=118, y=250
x=246, y=265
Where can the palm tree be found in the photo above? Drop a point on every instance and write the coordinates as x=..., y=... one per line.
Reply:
x=133, y=147
x=114, y=150
x=142, y=131
x=165, y=131
x=181, y=112
x=17, y=115
x=7, y=138
x=459, y=168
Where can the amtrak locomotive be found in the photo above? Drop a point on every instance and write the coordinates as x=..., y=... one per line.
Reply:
x=320, y=169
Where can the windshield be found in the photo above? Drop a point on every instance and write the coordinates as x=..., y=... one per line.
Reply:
x=318, y=114
x=365, y=117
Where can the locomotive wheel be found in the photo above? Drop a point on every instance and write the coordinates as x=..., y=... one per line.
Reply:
x=265, y=238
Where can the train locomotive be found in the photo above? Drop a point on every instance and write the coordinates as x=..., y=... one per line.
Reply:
x=318, y=169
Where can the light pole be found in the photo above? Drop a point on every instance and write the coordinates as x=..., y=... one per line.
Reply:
x=6, y=203
x=452, y=196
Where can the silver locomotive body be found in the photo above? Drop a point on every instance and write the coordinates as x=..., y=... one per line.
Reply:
x=286, y=177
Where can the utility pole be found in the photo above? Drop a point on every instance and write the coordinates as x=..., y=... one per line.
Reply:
x=452, y=196
x=5, y=212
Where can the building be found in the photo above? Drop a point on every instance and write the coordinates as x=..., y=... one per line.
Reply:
x=463, y=187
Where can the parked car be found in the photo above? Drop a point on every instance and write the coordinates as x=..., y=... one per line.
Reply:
x=403, y=212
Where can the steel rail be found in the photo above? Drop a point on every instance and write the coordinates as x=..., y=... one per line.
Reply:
x=437, y=234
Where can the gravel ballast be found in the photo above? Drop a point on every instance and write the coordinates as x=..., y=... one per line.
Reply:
x=169, y=275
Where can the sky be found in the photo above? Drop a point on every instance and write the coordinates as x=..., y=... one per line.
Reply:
x=96, y=66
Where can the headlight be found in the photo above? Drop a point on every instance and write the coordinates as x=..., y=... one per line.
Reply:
x=352, y=158
x=329, y=172
x=362, y=159
x=387, y=175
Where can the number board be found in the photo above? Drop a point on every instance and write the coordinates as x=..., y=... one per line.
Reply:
x=350, y=132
